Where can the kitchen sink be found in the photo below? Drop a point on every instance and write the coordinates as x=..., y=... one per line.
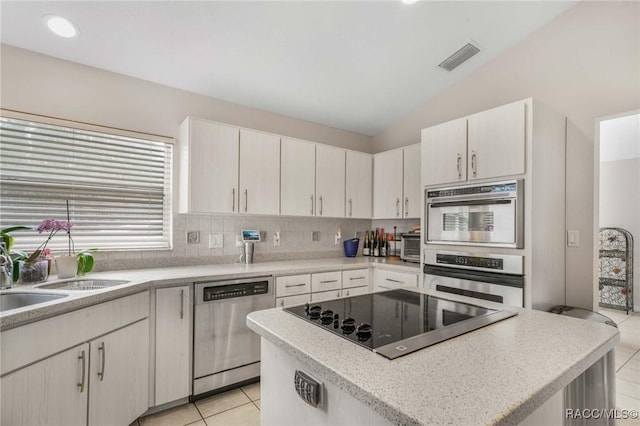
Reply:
x=15, y=300
x=83, y=284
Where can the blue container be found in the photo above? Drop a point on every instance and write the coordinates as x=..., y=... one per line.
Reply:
x=351, y=247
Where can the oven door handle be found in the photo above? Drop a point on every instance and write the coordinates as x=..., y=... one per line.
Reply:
x=471, y=203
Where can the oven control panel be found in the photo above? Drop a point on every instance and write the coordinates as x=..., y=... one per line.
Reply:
x=231, y=291
x=471, y=261
x=498, y=188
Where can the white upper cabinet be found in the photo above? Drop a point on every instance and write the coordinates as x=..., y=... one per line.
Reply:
x=489, y=144
x=259, y=173
x=412, y=187
x=444, y=153
x=297, y=178
x=359, y=185
x=330, y=181
x=387, y=184
x=208, y=167
x=496, y=142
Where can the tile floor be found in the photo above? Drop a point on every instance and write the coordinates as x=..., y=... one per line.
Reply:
x=241, y=407
x=627, y=362
x=237, y=407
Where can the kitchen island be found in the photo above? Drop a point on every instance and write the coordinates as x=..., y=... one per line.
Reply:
x=511, y=372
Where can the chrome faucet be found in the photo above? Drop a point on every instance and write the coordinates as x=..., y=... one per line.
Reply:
x=6, y=267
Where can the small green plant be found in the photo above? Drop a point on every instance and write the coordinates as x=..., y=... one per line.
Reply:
x=85, y=261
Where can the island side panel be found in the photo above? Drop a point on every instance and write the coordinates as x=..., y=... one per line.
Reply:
x=281, y=405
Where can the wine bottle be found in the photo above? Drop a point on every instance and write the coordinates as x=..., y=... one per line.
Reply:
x=365, y=247
x=376, y=247
x=383, y=245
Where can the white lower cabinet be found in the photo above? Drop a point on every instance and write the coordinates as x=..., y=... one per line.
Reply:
x=326, y=281
x=173, y=340
x=89, y=366
x=300, y=299
x=50, y=392
x=386, y=280
x=119, y=375
x=355, y=291
x=326, y=295
x=355, y=278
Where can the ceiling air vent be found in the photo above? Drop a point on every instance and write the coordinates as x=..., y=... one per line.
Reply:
x=455, y=60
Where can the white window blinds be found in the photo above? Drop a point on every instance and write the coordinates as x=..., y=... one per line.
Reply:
x=118, y=187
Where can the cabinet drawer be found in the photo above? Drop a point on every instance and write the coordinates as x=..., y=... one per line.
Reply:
x=326, y=295
x=292, y=300
x=355, y=278
x=394, y=279
x=292, y=285
x=354, y=291
x=326, y=281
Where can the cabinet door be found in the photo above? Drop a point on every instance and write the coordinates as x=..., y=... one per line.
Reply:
x=387, y=184
x=173, y=312
x=50, y=392
x=444, y=153
x=326, y=295
x=292, y=285
x=208, y=167
x=497, y=142
x=119, y=375
x=385, y=280
x=411, y=185
x=259, y=173
x=355, y=278
x=330, y=181
x=359, y=185
x=297, y=178
x=326, y=281
x=355, y=291
x=300, y=299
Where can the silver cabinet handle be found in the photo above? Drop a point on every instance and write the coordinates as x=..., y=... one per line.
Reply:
x=397, y=207
x=406, y=206
x=459, y=165
x=406, y=312
x=356, y=278
x=394, y=281
x=103, y=351
x=181, y=303
x=84, y=370
x=282, y=302
x=474, y=163
x=397, y=309
x=295, y=285
x=246, y=199
x=321, y=205
x=233, y=200
x=328, y=281
x=350, y=207
x=338, y=294
x=311, y=205
x=347, y=292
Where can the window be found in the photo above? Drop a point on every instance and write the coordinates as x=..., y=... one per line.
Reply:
x=118, y=187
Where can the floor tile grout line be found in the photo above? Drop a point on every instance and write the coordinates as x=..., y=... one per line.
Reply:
x=628, y=359
x=241, y=405
x=198, y=410
x=256, y=405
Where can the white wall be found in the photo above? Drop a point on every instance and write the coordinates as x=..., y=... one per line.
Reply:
x=620, y=204
x=585, y=65
x=40, y=84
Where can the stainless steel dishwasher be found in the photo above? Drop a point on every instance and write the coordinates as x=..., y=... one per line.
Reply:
x=225, y=350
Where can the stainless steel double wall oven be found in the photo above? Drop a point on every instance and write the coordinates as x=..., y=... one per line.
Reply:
x=485, y=215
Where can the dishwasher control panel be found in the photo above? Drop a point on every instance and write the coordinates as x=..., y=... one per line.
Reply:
x=235, y=290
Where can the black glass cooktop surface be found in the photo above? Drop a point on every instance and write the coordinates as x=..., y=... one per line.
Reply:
x=397, y=322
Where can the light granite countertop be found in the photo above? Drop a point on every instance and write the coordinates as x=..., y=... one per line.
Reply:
x=496, y=375
x=143, y=279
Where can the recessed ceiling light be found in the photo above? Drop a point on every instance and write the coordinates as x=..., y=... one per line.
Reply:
x=409, y=1
x=60, y=26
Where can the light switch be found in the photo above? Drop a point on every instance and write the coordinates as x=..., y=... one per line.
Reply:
x=573, y=238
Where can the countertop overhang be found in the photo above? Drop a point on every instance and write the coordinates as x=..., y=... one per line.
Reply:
x=496, y=375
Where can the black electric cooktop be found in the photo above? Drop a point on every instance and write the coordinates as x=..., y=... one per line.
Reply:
x=397, y=322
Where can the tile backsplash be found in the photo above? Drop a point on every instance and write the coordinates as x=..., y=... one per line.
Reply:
x=295, y=240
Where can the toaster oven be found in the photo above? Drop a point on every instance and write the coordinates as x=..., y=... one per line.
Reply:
x=410, y=247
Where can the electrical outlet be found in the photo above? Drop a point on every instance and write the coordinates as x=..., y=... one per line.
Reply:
x=315, y=235
x=193, y=237
x=338, y=238
x=276, y=239
x=216, y=240
x=239, y=242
